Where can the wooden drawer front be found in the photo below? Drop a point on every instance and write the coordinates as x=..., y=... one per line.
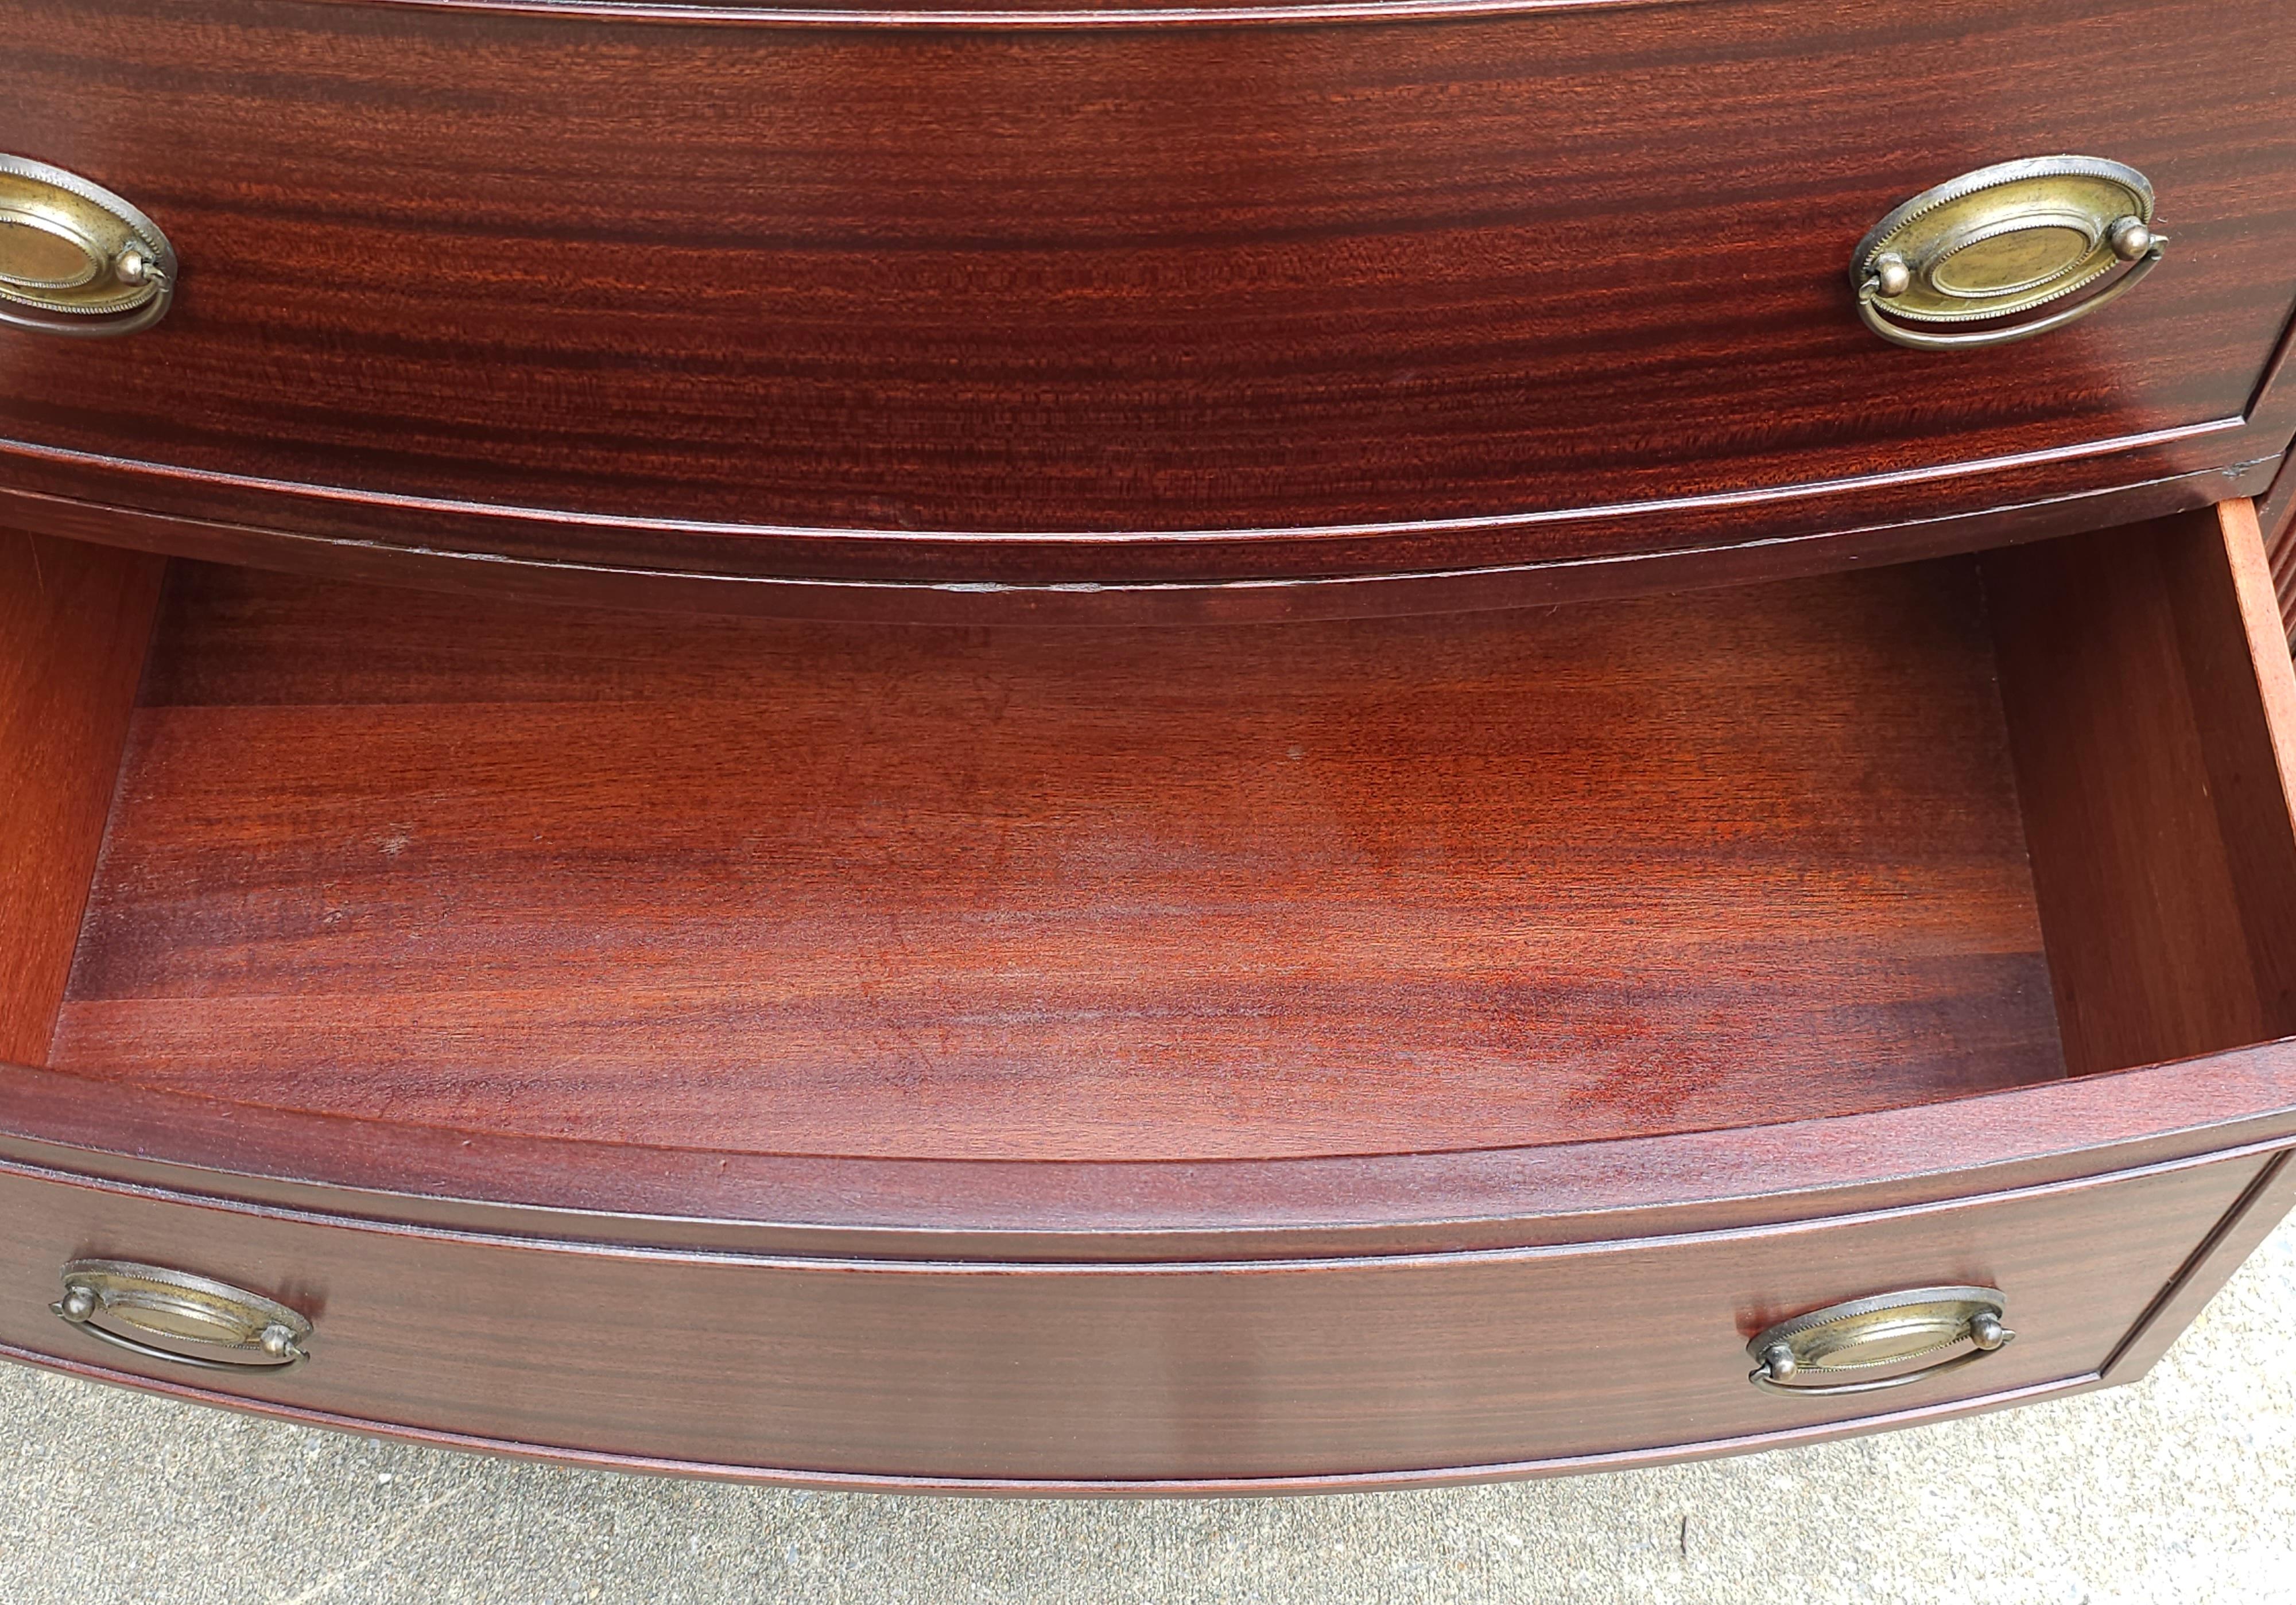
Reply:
x=784, y=283
x=1085, y=1373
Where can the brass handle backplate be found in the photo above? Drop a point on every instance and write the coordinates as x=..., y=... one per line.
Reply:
x=1796, y=1356
x=150, y=1311
x=2001, y=241
x=75, y=259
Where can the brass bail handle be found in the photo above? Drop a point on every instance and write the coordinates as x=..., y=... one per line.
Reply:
x=77, y=259
x=149, y=1310
x=1798, y=1355
x=2002, y=241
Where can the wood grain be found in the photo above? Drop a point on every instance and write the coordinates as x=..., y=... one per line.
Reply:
x=1013, y=1375
x=635, y=860
x=1037, y=304
x=2229, y=629
x=74, y=623
x=2152, y=712
x=1338, y=889
x=388, y=1170
x=2055, y=511
x=2276, y=513
x=2239, y=1234
x=2284, y=581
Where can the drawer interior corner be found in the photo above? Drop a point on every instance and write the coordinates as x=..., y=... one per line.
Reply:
x=2152, y=716
x=1676, y=862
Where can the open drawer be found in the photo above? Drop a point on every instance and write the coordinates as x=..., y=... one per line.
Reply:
x=1151, y=1058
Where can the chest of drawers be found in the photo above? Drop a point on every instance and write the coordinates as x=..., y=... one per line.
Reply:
x=1139, y=750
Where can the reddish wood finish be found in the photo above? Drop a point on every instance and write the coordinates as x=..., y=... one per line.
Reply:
x=699, y=1197
x=2153, y=709
x=1164, y=303
x=74, y=622
x=1461, y=882
x=2277, y=512
x=2243, y=689
x=1132, y=1376
x=1824, y=764
x=2237, y=1235
x=1399, y=1049
x=2285, y=580
x=1536, y=584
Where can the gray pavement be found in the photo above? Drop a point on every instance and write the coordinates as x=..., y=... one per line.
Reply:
x=2181, y=1488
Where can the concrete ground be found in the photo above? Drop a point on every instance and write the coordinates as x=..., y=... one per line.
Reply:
x=2181, y=1488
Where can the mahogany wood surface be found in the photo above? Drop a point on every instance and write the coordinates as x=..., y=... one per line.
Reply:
x=1391, y=1048
x=2278, y=512
x=74, y=623
x=1538, y=583
x=2244, y=690
x=1183, y=1374
x=2241, y=1231
x=393, y=1170
x=1171, y=302
x=1577, y=810
x=1471, y=1197
x=1483, y=881
x=655, y=1465
x=2152, y=712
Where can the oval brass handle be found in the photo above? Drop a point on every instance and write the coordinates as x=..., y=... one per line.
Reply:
x=1885, y=1330
x=223, y=1328
x=2001, y=241
x=75, y=259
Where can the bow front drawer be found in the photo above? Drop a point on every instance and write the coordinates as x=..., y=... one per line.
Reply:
x=752, y=311
x=1141, y=1374
x=1373, y=1049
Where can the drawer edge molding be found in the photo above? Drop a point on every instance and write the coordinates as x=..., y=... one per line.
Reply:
x=429, y=563
x=1618, y=1460
x=1019, y=18
x=175, y=477
x=2238, y=1234
x=1978, y=1190
x=565, y=1188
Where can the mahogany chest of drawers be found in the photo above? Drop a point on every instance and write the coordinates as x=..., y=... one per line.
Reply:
x=1258, y=746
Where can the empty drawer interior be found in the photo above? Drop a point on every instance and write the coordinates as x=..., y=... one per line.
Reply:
x=1726, y=857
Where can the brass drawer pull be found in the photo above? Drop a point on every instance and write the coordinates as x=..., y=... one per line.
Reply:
x=226, y=1328
x=1884, y=1330
x=75, y=259
x=2002, y=241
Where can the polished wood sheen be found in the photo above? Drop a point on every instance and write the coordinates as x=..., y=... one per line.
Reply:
x=887, y=1210
x=2277, y=512
x=2285, y=580
x=2169, y=894
x=1173, y=1375
x=1162, y=1060
x=576, y=1190
x=1167, y=303
x=74, y=622
x=1452, y=883
x=2240, y=1234
x=596, y=880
